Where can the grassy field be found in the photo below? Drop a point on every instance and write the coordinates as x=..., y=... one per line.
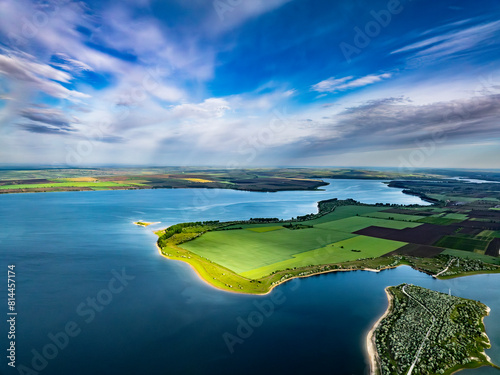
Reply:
x=462, y=243
x=344, y=212
x=438, y=220
x=391, y=216
x=244, y=250
x=343, y=251
x=263, y=229
x=253, y=257
x=456, y=216
x=259, y=249
x=442, y=197
x=355, y=223
x=489, y=234
x=91, y=185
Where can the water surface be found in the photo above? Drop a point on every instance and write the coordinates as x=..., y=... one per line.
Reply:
x=166, y=320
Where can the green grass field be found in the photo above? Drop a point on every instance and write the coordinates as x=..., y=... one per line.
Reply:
x=257, y=250
x=438, y=220
x=265, y=229
x=343, y=212
x=489, y=234
x=355, y=223
x=387, y=215
x=443, y=198
x=342, y=251
x=255, y=257
x=462, y=243
x=96, y=185
x=456, y=216
x=244, y=250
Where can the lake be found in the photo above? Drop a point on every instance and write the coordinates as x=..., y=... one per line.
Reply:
x=158, y=317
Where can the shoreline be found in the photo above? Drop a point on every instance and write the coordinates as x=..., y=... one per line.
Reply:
x=274, y=285
x=488, y=310
x=371, y=347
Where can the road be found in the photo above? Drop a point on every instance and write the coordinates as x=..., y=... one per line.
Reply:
x=446, y=269
x=426, y=336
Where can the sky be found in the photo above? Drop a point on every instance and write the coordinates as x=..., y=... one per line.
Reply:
x=242, y=83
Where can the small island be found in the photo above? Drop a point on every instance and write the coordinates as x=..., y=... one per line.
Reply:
x=427, y=332
x=144, y=223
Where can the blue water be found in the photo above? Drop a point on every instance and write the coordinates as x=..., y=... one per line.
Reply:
x=165, y=320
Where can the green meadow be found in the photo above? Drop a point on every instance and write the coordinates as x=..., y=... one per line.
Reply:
x=97, y=185
x=253, y=256
x=257, y=250
x=354, y=248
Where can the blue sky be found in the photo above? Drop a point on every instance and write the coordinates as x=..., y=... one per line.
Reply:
x=234, y=83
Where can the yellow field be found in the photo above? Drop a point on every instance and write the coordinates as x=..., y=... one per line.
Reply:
x=197, y=180
x=81, y=179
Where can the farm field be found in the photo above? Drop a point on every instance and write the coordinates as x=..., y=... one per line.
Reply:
x=355, y=223
x=344, y=234
x=462, y=243
x=78, y=184
x=393, y=216
x=260, y=249
x=438, y=220
x=472, y=255
x=354, y=248
x=243, y=250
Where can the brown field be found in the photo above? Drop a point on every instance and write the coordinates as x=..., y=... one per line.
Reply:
x=485, y=214
x=493, y=248
x=468, y=230
x=425, y=234
x=480, y=224
x=31, y=181
x=415, y=250
x=408, y=212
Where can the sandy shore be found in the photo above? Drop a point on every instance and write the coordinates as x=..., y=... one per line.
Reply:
x=371, y=348
x=488, y=310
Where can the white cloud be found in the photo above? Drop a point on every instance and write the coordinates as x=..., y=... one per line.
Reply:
x=40, y=76
x=333, y=84
x=453, y=42
x=209, y=108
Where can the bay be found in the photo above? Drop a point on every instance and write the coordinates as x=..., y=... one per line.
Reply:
x=68, y=247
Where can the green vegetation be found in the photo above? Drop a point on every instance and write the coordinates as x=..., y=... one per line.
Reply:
x=489, y=234
x=263, y=229
x=462, y=243
x=91, y=185
x=427, y=332
x=253, y=256
x=391, y=216
x=245, y=250
x=438, y=220
x=142, y=223
x=355, y=223
x=471, y=255
x=359, y=247
x=257, y=179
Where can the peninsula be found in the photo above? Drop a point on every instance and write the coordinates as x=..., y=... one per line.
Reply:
x=254, y=256
x=427, y=332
